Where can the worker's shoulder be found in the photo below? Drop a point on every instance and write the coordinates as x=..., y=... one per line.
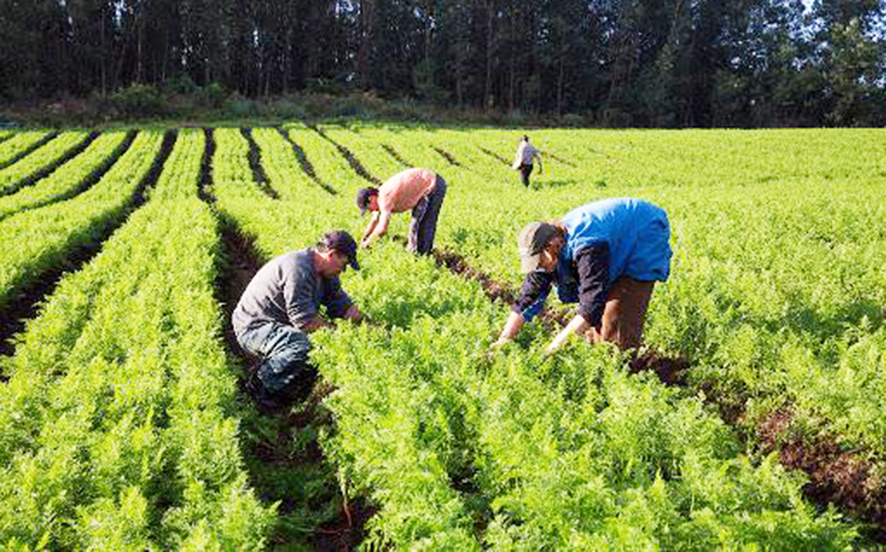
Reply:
x=292, y=261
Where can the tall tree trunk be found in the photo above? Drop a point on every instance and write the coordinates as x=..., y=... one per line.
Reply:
x=560, y=85
x=104, y=52
x=487, y=88
x=366, y=30
x=140, y=38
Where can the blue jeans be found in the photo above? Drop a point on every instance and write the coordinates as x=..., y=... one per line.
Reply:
x=283, y=350
x=424, y=219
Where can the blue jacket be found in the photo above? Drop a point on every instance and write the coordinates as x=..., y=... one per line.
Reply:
x=608, y=238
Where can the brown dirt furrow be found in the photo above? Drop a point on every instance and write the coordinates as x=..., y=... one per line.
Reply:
x=306, y=165
x=272, y=454
x=258, y=173
x=447, y=156
x=561, y=160
x=396, y=155
x=847, y=478
x=496, y=156
x=351, y=158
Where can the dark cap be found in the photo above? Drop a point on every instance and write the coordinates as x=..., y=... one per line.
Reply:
x=531, y=241
x=342, y=242
x=363, y=197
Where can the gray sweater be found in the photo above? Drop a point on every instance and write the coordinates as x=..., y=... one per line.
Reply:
x=288, y=290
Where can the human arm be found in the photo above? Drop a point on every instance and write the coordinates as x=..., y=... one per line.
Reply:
x=592, y=263
x=577, y=325
x=533, y=294
x=379, y=228
x=373, y=220
x=338, y=303
x=315, y=324
x=511, y=329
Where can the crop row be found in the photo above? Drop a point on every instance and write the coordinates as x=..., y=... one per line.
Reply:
x=117, y=433
x=775, y=295
x=70, y=178
x=777, y=280
x=26, y=171
x=37, y=241
x=19, y=144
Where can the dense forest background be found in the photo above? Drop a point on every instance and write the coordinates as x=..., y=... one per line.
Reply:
x=663, y=63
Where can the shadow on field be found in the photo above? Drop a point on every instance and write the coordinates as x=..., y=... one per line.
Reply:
x=282, y=451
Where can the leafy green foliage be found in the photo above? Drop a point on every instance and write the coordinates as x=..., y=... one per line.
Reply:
x=117, y=425
x=46, y=155
x=116, y=417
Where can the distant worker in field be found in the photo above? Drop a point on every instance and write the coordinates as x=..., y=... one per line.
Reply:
x=523, y=161
x=606, y=256
x=418, y=190
x=281, y=305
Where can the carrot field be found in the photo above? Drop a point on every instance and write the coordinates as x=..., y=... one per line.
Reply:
x=754, y=415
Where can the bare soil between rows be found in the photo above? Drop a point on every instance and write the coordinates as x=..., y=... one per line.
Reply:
x=350, y=157
x=277, y=451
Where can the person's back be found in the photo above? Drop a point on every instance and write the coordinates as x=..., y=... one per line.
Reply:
x=619, y=222
x=418, y=190
x=405, y=189
x=272, y=293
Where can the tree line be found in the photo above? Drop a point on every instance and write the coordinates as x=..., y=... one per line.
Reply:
x=662, y=63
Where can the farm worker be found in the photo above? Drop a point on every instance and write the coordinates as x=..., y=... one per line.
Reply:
x=280, y=306
x=523, y=161
x=607, y=256
x=418, y=190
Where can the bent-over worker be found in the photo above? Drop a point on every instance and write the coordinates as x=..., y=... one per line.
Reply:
x=606, y=256
x=418, y=190
x=281, y=306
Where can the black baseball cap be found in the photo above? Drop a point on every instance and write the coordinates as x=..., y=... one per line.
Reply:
x=363, y=197
x=342, y=242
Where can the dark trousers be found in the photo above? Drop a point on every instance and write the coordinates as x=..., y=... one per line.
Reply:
x=284, y=371
x=624, y=314
x=525, y=171
x=423, y=227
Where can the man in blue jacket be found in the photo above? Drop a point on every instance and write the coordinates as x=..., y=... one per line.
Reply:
x=606, y=256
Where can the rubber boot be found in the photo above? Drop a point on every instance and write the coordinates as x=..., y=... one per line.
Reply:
x=265, y=401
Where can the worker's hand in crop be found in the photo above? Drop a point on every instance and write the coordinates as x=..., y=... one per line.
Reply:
x=594, y=335
x=499, y=344
x=353, y=314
